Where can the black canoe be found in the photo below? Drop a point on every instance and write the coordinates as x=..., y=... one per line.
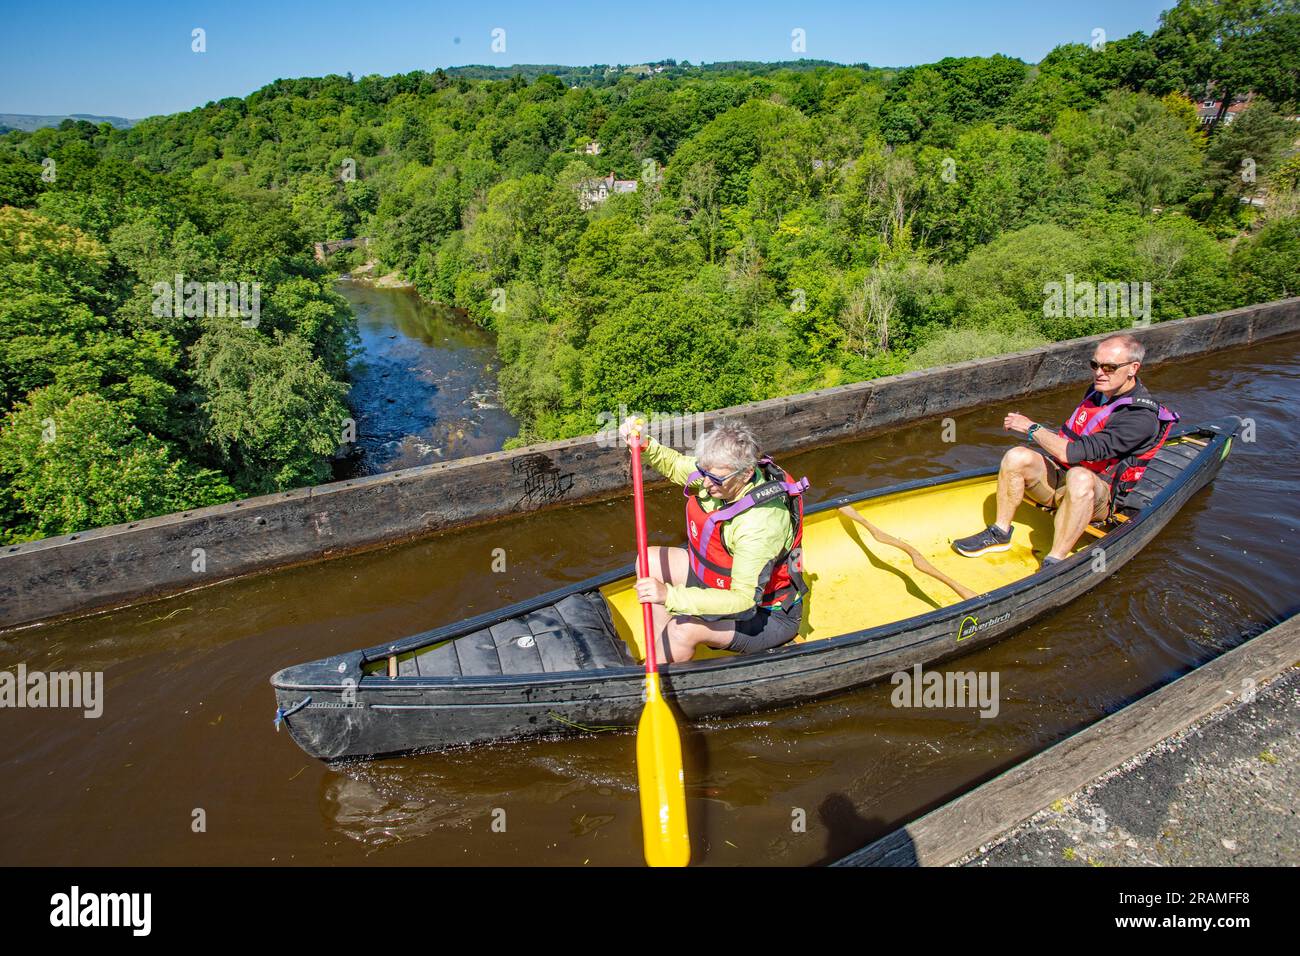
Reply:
x=568, y=660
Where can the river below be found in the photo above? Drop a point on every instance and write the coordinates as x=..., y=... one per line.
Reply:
x=424, y=386
x=186, y=732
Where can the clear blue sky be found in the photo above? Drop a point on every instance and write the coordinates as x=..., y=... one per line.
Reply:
x=134, y=59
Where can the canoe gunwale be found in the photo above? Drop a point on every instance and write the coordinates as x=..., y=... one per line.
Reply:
x=1220, y=429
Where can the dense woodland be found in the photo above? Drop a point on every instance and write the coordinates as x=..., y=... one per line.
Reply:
x=794, y=226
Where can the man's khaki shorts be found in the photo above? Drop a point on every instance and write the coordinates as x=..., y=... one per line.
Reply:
x=1056, y=481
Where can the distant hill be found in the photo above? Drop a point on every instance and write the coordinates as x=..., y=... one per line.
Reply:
x=30, y=122
x=602, y=74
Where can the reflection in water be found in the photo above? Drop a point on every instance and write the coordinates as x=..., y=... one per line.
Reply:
x=187, y=712
x=384, y=803
x=379, y=812
x=424, y=387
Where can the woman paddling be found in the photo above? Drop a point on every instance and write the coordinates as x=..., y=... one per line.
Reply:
x=737, y=584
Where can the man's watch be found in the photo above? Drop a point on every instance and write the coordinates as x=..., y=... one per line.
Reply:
x=1032, y=428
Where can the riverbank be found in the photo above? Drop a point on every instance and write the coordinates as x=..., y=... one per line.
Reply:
x=365, y=274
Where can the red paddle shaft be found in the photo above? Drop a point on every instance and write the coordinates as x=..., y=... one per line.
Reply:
x=642, y=554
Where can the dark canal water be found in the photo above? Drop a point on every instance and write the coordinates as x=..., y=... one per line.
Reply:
x=187, y=716
x=424, y=389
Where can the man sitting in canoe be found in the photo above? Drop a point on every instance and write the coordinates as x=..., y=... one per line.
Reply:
x=737, y=585
x=1099, y=453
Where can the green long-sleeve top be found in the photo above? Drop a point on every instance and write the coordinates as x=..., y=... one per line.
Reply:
x=753, y=537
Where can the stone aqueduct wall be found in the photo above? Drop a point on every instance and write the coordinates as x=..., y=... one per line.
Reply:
x=106, y=567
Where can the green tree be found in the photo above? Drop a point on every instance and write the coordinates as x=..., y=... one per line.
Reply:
x=273, y=410
x=72, y=462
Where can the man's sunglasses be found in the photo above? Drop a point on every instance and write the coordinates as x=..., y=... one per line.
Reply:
x=1107, y=367
x=715, y=479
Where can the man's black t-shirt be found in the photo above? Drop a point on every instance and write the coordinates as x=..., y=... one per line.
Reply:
x=1130, y=430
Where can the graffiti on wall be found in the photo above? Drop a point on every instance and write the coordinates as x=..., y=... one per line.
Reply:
x=543, y=483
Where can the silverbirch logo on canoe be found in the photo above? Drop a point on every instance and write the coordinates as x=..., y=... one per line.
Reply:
x=212, y=300
x=971, y=625
x=949, y=689
x=58, y=689
x=498, y=560
x=74, y=908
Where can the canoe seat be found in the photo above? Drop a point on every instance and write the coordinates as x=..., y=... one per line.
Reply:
x=1168, y=464
x=574, y=634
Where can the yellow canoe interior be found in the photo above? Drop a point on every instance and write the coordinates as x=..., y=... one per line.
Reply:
x=856, y=583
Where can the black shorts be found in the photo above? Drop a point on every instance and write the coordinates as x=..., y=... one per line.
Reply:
x=764, y=629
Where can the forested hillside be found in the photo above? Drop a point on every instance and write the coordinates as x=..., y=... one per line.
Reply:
x=792, y=227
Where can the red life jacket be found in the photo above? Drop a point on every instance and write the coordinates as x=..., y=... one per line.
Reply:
x=1089, y=417
x=781, y=581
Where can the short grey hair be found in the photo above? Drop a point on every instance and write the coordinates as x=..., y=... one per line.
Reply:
x=1136, y=350
x=729, y=444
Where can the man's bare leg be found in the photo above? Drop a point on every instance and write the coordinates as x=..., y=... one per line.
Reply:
x=1075, y=511
x=1023, y=471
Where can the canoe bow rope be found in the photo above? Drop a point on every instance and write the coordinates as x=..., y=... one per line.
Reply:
x=281, y=713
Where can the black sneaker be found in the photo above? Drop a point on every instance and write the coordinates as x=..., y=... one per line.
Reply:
x=990, y=540
x=1048, y=561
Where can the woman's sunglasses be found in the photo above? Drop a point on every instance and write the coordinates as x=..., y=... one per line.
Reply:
x=1107, y=367
x=715, y=479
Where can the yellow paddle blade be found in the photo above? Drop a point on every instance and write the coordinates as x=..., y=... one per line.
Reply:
x=662, y=781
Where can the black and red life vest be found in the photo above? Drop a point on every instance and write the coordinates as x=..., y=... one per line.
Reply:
x=1089, y=417
x=781, y=581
